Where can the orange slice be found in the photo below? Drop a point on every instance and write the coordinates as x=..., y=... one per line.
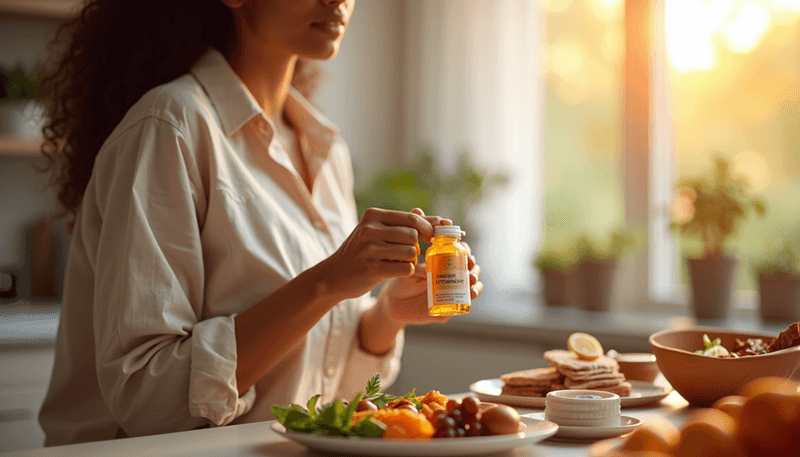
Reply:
x=585, y=346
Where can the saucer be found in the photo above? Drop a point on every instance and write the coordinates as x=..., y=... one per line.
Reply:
x=627, y=424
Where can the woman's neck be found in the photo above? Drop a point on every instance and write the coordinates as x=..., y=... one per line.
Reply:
x=265, y=71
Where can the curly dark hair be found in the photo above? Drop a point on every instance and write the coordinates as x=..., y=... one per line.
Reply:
x=109, y=55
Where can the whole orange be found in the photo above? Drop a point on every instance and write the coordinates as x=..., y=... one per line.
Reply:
x=770, y=424
x=732, y=404
x=709, y=432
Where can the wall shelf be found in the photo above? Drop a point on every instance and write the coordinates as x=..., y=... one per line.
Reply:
x=50, y=9
x=12, y=146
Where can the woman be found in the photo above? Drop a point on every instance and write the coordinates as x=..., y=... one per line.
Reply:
x=217, y=266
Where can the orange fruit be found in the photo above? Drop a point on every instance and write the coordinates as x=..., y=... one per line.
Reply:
x=400, y=423
x=655, y=435
x=709, y=432
x=770, y=424
x=732, y=404
x=770, y=384
x=585, y=346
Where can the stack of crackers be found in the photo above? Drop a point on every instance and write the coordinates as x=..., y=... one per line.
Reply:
x=567, y=371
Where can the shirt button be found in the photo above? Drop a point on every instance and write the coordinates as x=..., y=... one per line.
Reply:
x=329, y=372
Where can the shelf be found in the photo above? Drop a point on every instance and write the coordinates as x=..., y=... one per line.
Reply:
x=11, y=146
x=51, y=9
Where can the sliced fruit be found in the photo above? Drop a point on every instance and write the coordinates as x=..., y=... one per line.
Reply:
x=716, y=351
x=585, y=346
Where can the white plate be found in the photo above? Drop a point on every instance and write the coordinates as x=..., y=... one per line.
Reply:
x=535, y=430
x=642, y=393
x=627, y=424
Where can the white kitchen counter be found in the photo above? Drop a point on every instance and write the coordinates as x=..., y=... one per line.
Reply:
x=259, y=439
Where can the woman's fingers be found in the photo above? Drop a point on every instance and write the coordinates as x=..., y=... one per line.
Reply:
x=475, y=290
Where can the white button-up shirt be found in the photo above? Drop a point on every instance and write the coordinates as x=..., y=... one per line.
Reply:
x=193, y=215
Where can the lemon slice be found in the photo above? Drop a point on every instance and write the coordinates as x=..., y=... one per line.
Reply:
x=715, y=351
x=585, y=346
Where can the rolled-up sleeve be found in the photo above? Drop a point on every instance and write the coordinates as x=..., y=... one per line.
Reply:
x=162, y=365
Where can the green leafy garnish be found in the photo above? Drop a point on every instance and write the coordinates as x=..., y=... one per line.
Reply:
x=334, y=418
x=382, y=400
x=708, y=344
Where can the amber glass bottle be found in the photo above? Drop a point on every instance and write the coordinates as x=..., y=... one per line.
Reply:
x=448, y=275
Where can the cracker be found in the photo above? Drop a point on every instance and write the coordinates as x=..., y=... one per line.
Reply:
x=592, y=384
x=568, y=359
x=533, y=377
x=586, y=374
x=622, y=389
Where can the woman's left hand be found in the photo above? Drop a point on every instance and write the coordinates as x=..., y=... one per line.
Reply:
x=407, y=298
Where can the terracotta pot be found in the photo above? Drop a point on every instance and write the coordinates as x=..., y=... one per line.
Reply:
x=598, y=282
x=779, y=297
x=560, y=287
x=712, y=281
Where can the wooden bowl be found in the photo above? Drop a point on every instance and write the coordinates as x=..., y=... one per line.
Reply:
x=702, y=380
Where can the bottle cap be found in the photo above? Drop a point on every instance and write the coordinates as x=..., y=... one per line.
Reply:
x=448, y=230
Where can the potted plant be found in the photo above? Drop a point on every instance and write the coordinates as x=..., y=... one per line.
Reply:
x=423, y=185
x=778, y=275
x=598, y=263
x=559, y=273
x=20, y=115
x=711, y=210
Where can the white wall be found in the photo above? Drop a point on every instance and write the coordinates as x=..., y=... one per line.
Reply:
x=362, y=88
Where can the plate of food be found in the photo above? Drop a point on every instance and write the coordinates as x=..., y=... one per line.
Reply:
x=582, y=366
x=374, y=423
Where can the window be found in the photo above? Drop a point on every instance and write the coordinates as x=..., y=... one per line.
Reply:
x=732, y=80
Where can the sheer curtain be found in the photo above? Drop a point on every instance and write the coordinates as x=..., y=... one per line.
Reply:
x=474, y=82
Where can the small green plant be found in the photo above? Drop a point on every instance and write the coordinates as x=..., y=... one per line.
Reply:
x=423, y=185
x=782, y=262
x=17, y=84
x=551, y=258
x=618, y=243
x=712, y=209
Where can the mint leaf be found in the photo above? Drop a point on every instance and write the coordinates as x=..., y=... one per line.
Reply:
x=280, y=413
x=351, y=409
x=312, y=405
x=332, y=415
x=299, y=421
x=368, y=427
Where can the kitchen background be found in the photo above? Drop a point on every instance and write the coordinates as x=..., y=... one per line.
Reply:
x=534, y=124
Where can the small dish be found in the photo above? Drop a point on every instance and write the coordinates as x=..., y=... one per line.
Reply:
x=626, y=425
x=582, y=408
x=638, y=366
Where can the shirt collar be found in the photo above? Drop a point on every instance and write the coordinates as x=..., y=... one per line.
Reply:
x=236, y=106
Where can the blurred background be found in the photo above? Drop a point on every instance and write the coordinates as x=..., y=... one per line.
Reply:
x=555, y=131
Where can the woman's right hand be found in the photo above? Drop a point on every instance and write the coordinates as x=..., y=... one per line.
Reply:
x=383, y=245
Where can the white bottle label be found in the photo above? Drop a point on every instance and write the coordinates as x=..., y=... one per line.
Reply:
x=451, y=287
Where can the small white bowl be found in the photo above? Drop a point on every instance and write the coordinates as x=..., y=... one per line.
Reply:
x=582, y=408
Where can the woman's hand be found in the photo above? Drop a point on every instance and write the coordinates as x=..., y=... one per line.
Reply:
x=383, y=245
x=406, y=298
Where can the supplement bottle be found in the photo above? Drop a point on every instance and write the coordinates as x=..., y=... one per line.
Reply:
x=448, y=275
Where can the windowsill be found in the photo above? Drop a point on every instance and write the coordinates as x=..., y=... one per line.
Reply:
x=524, y=319
x=519, y=317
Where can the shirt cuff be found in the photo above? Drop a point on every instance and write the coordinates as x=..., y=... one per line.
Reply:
x=213, y=392
x=362, y=365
